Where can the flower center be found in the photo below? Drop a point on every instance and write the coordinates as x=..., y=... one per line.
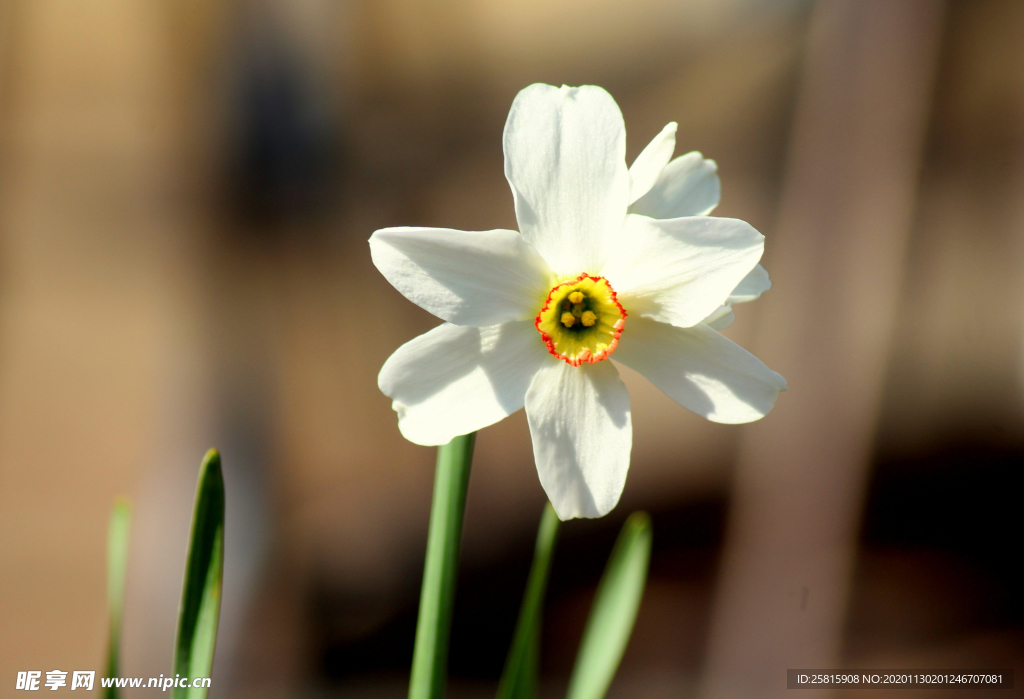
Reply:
x=581, y=320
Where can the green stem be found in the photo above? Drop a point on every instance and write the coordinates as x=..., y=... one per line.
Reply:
x=199, y=613
x=614, y=610
x=437, y=598
x=519, y=679
x=117, y=567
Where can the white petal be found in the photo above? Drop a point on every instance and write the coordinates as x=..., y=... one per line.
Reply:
x=565, y=158
x=721, y=318
x=680, y=270
x=749, y=289
x=467, y=278
x=752, y=286
x=688, y=186
x=582, y=435
x=454, y=379
x=701, y=370
x=647, y=167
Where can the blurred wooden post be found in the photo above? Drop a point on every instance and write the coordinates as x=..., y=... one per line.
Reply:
x=836, y=261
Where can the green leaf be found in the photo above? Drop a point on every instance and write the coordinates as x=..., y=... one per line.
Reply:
x=519, y=679
x=200, y=598
x=614, y=611
x=117, y=568
x=437, y=597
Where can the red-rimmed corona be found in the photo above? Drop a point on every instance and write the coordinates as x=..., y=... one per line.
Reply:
x=581, y=320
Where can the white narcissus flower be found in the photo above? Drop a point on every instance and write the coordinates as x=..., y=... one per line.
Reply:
x=608, y=261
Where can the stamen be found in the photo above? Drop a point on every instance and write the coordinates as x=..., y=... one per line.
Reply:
x=568, y=320
x=576, y=297
x=588, y=318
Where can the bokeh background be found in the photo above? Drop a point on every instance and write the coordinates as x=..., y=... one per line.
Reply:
x=186, y=190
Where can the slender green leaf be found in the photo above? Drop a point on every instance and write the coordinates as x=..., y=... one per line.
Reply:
x=117, y=569
x=200, y=598
x=519, y=679
x=437, y=597
x=614, y=611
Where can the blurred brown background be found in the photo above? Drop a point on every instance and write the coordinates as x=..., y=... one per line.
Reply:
x=186, y=190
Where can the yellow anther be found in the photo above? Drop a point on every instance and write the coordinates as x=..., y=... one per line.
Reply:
x=588, y=318
x=576, y=297
x=568, y=320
